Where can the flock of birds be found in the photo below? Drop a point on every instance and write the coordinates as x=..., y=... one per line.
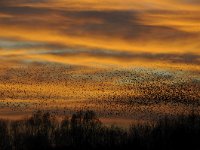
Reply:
x=133, y=93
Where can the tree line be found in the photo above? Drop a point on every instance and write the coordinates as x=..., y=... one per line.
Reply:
x=83, y=130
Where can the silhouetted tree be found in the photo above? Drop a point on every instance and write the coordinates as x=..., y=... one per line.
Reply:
x=42, y=131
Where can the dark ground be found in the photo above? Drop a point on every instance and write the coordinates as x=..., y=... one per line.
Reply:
x=83, y=130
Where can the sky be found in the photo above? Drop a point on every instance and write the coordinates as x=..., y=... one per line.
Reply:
x=166, y=31
x=65, y=53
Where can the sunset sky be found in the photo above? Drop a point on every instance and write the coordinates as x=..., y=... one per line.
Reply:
x=64, y=51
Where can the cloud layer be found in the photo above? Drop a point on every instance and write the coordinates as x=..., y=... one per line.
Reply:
x=116, y=52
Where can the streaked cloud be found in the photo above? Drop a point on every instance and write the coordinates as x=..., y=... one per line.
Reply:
x=115, y=52
x=126, y=29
